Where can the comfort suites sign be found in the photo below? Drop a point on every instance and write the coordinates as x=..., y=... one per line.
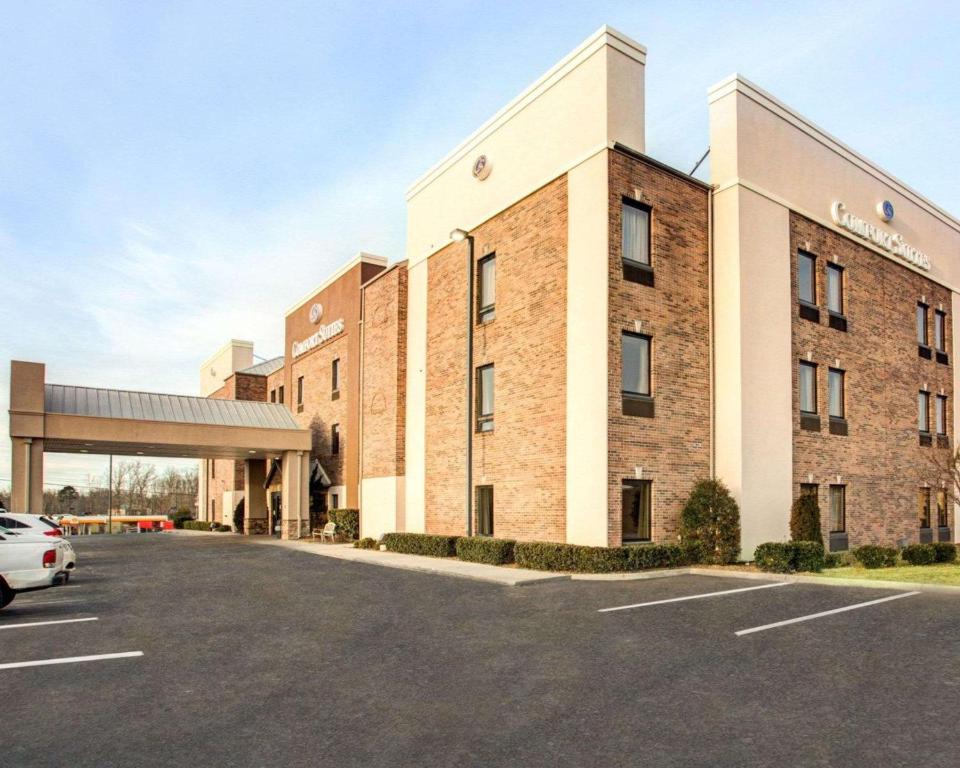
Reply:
x=321, y=335
x=892, y=243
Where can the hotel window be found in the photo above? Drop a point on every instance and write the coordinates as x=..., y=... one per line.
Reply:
x=280, y=394
x=485, y=398
x=213, y=468
x=923, y=507
x=807, y=384
x=637, y=510
x=940, y=335
x=335, y=379
x=942, y=519
x=484, y=510
x=637, y=267
x=273, y=395
x=334, y=501
x=835, y=288
x=923, y=412
x=213, y=510
x=635, y=375
x=807, y=277
x=838, y=508
x=486, y=288
x=940, y=414
x=835, y=393
x=335, y=439
x=922, y=337
x=299, y=393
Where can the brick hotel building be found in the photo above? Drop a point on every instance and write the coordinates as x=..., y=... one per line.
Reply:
x=628, y=329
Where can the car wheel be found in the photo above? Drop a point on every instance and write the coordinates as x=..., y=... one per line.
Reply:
x=6, y=595
x=66, y=577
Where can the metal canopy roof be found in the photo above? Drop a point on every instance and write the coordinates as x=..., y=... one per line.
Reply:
x=265, y=368
x=151, y=406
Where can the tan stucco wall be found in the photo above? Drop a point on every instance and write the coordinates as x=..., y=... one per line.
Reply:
x=233, y=356
x=383, y=500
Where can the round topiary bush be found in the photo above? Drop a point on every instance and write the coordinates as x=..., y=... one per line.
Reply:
x=805, y=519
x=871, y=556
x=919, y=554
x=711, y=517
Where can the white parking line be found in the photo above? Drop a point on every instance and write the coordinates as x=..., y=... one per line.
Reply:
x=750, y=631
x=25, y=604
x=695, y=597
x=71, y=660
x=45, y=623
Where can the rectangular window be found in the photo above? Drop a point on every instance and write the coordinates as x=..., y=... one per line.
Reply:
x=280, y=394
x=941, y=414
x=808, y=387
x=335, y=439
x=334, y=501
x=807, y=277
x=487, y=288
x=484, y=510
x=637, y=509
x=485, y=398
x=942, y=520
x=835, y=289
x=273, y=395
x=923, y=416
x=835, y=393
x=923, y=507
x=299, y=390
x=635, y=373
x=335, y=375
x=636, y=233
x=838, y=508
x=922, y=338
x=213, y=468
x=939, y=331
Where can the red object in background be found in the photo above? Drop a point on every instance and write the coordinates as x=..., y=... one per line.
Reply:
x=167, y=525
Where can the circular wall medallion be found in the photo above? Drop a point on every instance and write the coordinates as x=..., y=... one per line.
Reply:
x=481, y=167
x=885, y=210
x=316, y=312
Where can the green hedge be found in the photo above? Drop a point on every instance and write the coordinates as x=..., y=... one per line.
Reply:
x=872, y=556
x=197, y=525
x=366, y=543
x=547, y=556
x=945, y=552
x=789, y=556
x=919, y=554
x=421, y=544
x=348, y=522
x=483, y=549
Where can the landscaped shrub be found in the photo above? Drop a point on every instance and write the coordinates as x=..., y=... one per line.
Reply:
x=196, y=525
x=945, y=552
x=180, y=516
x=789, y=556
x=643, y=556
x=805, y=519
x=483, y=549
x=832, y=560
x=549, y=556
x=348, y=522
x=421, y=544
x=712, y=517
x=366, y=543
x=239, y=513
x=872, y=556
x=919, y=554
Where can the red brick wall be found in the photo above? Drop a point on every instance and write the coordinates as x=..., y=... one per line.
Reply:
x=880, y=459
x=384, y=373
x=524, y=457
x=673, y=447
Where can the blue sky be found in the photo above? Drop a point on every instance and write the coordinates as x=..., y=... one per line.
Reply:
x=176, y=174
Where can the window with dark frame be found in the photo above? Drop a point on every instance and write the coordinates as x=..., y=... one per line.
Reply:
x=635, y=243
x=923, y=507
x=923, y=338
x=484, y=512
x=334, y=501
x=335, y=439
x=939, y=330
x=808, y=387
x=807, y=278
x=486, y=288
x=280, y=394
x=299, y=390
x=485, y=398
x=273, y=395
x=835, y=393
x=923, y=412
x=835, y=288
x=637, y=510
x=635, y=373
x=943, y=521
x=335, y=375
x=838, y=508
x=940, y=414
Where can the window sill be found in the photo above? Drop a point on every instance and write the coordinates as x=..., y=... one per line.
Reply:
x=925, y=352
x=838, y=322
x=637, y=405
x=486, y=319
x=809, y=312
x=838, y=426
x=839, y=541
x=635, y=272
x=926, y=535
x=335, y=395
x=926, y=438
x=810, y=422
x=484, y=428
x=943, y=358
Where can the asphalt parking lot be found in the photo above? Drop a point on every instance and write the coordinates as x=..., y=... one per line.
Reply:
x=263, y=656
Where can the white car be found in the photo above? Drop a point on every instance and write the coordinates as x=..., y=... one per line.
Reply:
x=28, y=563
x=40, y=525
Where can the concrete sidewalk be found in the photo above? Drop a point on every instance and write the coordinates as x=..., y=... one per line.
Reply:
x=446, y=566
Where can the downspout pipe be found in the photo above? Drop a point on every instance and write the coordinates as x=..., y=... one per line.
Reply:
x=469, y=421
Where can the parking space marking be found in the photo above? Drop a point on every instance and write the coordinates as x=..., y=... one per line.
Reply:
x=694, y=597
x=71, y=660
x=45, y=623
x=811, y=616
x=26, y=604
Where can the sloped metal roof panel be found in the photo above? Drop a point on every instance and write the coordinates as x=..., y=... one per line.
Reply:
x=265, y=368
x=153, y=406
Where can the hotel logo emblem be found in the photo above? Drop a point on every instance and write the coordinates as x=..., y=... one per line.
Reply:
x=482, y=167
x=885, y=210
x=316, y=312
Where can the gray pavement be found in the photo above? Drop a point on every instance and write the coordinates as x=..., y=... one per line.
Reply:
x=267, y=656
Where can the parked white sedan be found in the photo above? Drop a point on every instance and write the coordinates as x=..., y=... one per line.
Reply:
x=40, y=525
x=28, y=563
